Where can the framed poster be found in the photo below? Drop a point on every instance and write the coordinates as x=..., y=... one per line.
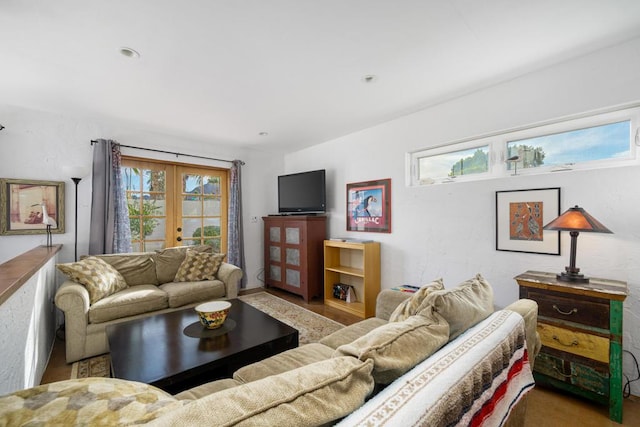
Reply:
x=520, y=218
x=369, y=206
x=26, y=204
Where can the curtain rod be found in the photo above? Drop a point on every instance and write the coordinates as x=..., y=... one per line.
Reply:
x=93, y=141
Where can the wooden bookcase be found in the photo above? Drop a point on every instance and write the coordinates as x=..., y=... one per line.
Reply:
x=293, y=253
x=357, y=265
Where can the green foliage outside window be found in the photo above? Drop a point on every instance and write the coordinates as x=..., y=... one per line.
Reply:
x=210, y=231
x=476, y=163
x=149, y=208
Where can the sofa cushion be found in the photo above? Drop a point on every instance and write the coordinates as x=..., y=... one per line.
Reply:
x=183, y=293
x=88, y=402
x=351, y=332
x=168, y=260
x=283, y=362
x=409, y=307
x=463, y=306
x=136, y=268
x=128, y=302
x=199, y=266
x=100, y=278
x=207, y=389
x=315, y=394
x=397, y=347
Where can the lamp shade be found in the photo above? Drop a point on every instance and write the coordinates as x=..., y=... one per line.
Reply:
x=577, y=219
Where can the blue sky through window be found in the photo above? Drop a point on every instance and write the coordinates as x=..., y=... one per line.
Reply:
x=603, y=142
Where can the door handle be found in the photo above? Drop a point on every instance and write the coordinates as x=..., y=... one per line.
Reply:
x=179, y=229
x=179, y=239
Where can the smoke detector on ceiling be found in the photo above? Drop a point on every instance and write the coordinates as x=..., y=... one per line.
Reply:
x=369, y=78
x=129, y=53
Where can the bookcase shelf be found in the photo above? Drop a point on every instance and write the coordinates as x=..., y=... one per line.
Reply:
x=357, y=265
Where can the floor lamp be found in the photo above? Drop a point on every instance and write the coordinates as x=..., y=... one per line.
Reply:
x=76, y=181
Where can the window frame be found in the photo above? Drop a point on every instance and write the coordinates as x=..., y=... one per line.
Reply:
x=497, y=143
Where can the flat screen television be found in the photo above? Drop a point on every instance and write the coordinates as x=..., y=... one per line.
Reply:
x=302, y=193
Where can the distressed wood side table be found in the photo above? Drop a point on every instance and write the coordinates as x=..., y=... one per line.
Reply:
x=580, y=325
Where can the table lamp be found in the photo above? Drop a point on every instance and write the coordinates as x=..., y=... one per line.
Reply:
x=575, y=220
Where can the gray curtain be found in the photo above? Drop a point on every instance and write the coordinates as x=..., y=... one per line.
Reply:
x=235, y=250
x=110, y=231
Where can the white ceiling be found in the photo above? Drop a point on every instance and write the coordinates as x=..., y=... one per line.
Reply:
x=225, y=70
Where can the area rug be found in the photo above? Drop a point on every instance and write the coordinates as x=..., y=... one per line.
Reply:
x=311, y=327
x=98, y=366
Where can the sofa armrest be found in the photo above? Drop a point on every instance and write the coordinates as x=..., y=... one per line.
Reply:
x=528, y=309
x=73, y=299
x=387, y=301
x=230, y=275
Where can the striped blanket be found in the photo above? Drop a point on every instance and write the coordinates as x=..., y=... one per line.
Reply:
x=475, y=380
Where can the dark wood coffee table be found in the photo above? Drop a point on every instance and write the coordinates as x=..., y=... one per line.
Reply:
x=155, y=350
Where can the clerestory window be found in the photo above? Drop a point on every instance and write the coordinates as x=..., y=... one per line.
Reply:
x=607, y=139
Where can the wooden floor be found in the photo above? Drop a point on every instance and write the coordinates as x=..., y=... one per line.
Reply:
x=545, y=407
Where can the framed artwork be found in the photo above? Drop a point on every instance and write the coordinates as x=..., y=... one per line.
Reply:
x=520, y=216
x=27, y=204
x=369, y=206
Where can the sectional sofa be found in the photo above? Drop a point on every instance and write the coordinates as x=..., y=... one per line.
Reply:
x=438, y=357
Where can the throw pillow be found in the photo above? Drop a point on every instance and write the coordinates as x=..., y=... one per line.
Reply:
x=463, y=306
x=199, y=266
x=397, y=347
x=168, y=260
x=100, y=278
x=87, y=402
x=409, y=307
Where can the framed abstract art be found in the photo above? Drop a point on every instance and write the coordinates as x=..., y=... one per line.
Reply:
x=520, y=218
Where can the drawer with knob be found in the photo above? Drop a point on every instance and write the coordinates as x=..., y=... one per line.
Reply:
x=575, y=342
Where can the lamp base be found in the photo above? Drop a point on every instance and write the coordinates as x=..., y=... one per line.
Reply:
x=566, y=276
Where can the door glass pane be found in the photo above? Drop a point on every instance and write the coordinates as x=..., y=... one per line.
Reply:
x=153, y=246
x=211, y=185
x=191, y=206
x=212, y=206
x=190, y=242
x=154, y=203
x=154, y=228
x=189, y=227
x=292, y=235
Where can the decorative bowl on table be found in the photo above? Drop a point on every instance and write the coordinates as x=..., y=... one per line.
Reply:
x=213, y=313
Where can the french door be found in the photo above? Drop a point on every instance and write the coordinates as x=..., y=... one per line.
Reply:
x=175, y=205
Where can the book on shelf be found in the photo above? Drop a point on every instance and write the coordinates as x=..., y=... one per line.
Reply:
x=344, y=292
x=406, y=288
x=350, y=240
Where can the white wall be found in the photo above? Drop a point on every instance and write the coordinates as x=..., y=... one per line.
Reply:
x=41, y=145
x=27, y=330
x=449, y=230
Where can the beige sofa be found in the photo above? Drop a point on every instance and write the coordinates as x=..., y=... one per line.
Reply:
x=150, y=289
x=371, y=370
